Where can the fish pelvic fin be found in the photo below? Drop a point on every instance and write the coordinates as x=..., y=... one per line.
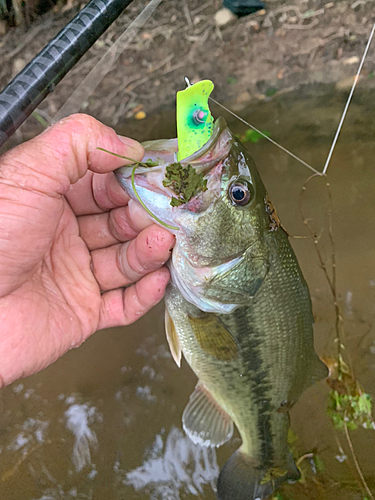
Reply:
x=242, y=479
x=172, y=338
x=204, y=421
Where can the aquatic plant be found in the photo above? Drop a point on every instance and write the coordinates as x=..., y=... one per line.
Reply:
x=348, y=405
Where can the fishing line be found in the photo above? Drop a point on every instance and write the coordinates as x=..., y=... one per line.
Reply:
x=87, y=87
x=266, y=137
x=356, y=78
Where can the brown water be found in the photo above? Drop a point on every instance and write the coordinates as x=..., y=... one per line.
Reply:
x=104, y=422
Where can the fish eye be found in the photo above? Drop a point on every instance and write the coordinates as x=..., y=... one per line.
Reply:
x=240, y=193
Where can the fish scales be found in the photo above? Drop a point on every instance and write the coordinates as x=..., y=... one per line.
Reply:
x=238, y=309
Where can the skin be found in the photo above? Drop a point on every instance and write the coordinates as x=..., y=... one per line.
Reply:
x=75, y=255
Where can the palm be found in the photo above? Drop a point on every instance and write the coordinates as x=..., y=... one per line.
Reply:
x=70, y=247
x=58, y=305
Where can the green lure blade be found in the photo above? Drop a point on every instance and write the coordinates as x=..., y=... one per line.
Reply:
x=194, y=119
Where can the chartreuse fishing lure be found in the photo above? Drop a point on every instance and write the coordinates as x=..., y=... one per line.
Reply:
x=194, y=119
x=194, y=129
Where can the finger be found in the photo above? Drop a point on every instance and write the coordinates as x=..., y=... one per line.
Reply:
x=124, y=306
x=96, y=193
x=61, y=155
x=119, y=225
x=122, y=264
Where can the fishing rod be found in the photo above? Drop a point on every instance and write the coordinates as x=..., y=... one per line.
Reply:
x=39, y=78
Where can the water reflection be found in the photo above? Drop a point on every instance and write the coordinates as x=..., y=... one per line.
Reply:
x=78, y=421
x=174, y=465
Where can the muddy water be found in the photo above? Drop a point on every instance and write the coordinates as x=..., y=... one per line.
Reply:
x=104, y=422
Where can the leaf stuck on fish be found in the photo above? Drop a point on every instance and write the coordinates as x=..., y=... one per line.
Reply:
x=185, y=182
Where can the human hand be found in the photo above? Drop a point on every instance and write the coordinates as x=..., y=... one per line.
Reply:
x=69, y=244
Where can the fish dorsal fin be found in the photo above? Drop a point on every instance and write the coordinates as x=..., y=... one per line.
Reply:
x=213, y=337
x=204, y=421
x=172, y=337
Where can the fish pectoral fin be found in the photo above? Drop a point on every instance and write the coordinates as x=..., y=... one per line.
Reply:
x=213, y=337
x=204, y=421
x=172, y=337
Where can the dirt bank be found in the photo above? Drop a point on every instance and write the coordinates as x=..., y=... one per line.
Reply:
x=287, y=46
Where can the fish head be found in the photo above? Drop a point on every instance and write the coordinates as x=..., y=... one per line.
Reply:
x=221, y=253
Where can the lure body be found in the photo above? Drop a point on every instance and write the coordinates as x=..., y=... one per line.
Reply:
x=194, y=119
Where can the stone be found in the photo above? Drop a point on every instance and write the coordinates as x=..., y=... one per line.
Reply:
x=351, y=60
x=223, y=17
x=18, y=65
x=243, y=98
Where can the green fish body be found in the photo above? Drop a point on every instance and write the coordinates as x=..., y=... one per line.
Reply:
x=238, y=309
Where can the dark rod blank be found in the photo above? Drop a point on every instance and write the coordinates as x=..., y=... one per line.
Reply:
x=28, y=89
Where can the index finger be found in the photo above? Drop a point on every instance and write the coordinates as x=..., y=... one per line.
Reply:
x=95, y=194
x=63, y=154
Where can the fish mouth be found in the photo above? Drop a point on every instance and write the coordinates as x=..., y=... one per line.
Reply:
x=148, y=181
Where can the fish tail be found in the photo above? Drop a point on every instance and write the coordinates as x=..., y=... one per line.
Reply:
x=240, y=479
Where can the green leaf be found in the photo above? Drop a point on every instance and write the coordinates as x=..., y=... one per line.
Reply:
x=253, y=136
x=185, y=182
x=231, y=80
x=352, y=410
x=271, y=91
x=319, y=464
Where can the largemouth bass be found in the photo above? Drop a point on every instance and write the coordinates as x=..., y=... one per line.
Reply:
x=237, y=307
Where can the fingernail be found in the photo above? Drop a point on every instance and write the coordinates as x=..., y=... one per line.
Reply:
x=133, y=147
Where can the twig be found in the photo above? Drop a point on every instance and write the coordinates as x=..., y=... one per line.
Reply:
x=367, y=489
x=301, y=26
x=358, y=2
x=283, y=9
x=26, y=41
x=301, y=459
x=187, y=14
x=331, y=280
x=201, y=7
x=148, y=77
x=9, y=473
x=92, y=80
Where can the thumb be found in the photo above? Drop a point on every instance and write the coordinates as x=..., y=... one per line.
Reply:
x=62, y=154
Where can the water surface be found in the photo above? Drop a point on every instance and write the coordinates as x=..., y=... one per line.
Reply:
x=104, y=422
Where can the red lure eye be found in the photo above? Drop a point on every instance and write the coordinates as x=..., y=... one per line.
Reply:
x=199, y=116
